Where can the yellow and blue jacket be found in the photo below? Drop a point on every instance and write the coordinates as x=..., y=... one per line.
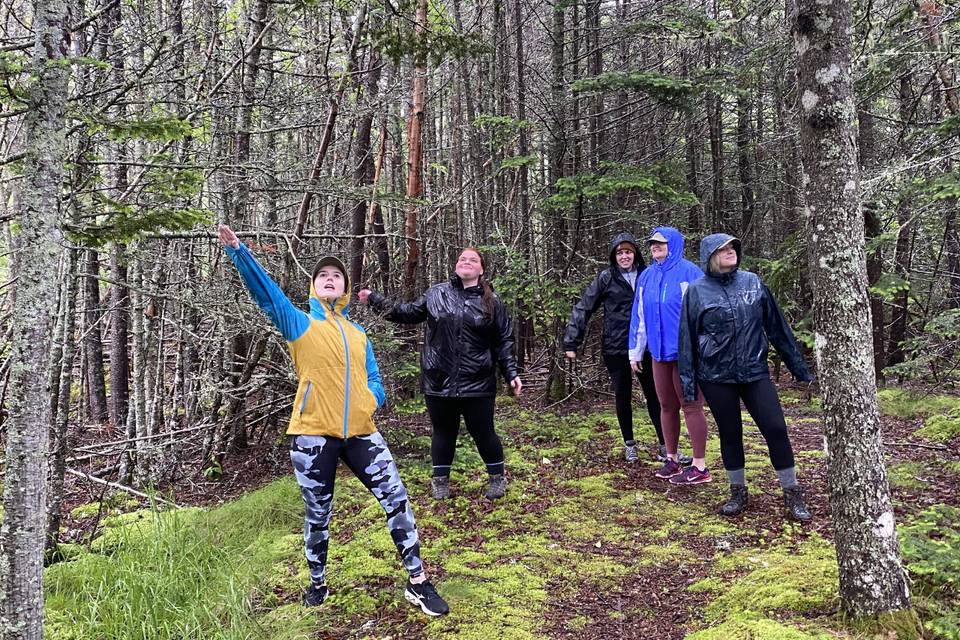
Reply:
x=339, y=386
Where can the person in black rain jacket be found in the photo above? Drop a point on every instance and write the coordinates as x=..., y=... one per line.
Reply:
x=469, y=336
x=727, y=321
x=613, y=289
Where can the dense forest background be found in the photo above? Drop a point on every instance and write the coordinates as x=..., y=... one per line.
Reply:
x=394, y=133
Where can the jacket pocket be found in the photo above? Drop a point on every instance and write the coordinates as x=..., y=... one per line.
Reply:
x=305, y=398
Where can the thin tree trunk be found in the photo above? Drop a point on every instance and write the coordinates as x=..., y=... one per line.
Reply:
x=903, y=255
x=61, y=417
x=93, y=341
x=364, y=171
x=415, y=155
x=867, y=148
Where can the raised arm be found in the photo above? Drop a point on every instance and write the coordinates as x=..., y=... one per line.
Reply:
x=402, y=313
x=588, y=304
x=291, y=322
x=780, y=335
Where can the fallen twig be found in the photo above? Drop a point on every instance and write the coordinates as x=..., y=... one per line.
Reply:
x=122, y=487
x=935, y=447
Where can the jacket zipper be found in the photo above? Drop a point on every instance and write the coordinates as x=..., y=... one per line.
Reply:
x=346, y=355
x=736, y=330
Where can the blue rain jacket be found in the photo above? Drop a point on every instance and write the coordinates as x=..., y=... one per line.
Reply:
x=655, y=318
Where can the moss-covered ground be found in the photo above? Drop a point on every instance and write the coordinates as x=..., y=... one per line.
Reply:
x=583, y=546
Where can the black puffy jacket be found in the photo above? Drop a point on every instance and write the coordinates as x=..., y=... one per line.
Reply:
x=725, y=322
x=611, y=290
x=463, y=345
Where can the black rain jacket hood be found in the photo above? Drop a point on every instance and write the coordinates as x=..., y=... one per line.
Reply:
x=727, y=323
x=611, y=290
x=464, y=345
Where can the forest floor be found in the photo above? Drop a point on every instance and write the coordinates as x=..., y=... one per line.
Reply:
x=584, y=545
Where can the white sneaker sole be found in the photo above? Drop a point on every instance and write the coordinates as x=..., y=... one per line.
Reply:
x=414, y=600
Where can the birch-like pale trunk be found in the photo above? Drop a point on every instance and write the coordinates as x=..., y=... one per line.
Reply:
x=872, y=579
x=22, y=534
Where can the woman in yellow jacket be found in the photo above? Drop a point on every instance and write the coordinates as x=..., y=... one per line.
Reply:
x=338, y=391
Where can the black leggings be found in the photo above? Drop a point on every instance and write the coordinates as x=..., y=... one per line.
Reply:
x=621, y=376
x=763, y=404
x=478, y=416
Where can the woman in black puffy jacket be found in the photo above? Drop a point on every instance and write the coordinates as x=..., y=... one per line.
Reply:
x=469, y=336
x=727, y=321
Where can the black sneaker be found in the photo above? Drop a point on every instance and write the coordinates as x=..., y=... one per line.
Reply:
x=426, y=597
x=315, y=596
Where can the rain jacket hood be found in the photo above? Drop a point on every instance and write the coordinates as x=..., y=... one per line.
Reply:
x=727, y=322
x=713, y=242
x=655, y=316
x=338, y=381
x=630, y=239
x=464, y=344
x=615, y=293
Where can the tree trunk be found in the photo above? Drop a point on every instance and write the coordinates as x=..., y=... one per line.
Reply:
x=363, y=173
x=415, y=155
x=92, y=340
x=745, y=165
x=902, y=257
x=872, y=579
x=120, y=332
x=61, y=416
x=871, y=220
x=22, y=534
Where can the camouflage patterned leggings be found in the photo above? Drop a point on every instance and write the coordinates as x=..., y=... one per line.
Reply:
x=315, y=460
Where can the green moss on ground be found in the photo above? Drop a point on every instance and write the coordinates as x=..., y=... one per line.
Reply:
x=775, y=585
x=238, y=571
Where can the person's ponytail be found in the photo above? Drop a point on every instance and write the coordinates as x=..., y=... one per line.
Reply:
x=488, y=301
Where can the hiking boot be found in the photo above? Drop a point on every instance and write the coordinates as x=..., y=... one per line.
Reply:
x=315, y=596
x=793, y=501
x=497, y=488
x=669, y=469
x=440, y=485
x=426, y=597
x=630, y=451
x=737, y=502
x=692, y=475
x=661, y=454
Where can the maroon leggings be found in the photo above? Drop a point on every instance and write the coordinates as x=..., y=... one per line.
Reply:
x=666, y=378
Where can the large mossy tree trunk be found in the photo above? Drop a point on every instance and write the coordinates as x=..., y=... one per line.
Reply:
x=23, y=534
x=872, y=579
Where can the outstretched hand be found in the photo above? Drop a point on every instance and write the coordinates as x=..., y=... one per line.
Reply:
x=228, y=237
x=363, y=294
x=517, y=386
